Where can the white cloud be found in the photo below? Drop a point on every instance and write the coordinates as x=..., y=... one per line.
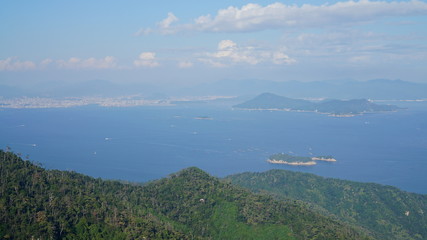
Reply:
x=46, y=62
x=13, y=64
x=147, y=55
x=164, y=26
x=230, y=53
x=143, y=31
x=146, y=59
x=228, y=50
x=350, y=47
x=185, y=64
x=89, y=63
x=165, y=23
x=254, y=17
x=282, y=58
x=212, y=62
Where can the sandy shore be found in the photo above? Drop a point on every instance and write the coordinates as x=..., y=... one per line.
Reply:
x=310, y=163
x=292, y=163
x=323, y=159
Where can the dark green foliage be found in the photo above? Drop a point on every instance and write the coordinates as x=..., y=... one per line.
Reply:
x=387, y=212
x=51, y=204
x=216, y=209
x=354, y=106
x=65, y=205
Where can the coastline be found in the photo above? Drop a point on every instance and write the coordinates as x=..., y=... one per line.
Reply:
x=329, y=114
x=308, y=111
x=309, y=163
x=291, y=163
x=323, y=159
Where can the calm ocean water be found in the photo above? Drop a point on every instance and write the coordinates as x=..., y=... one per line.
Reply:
x=146, y=143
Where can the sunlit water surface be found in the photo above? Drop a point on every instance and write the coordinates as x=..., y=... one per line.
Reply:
x=146, y=143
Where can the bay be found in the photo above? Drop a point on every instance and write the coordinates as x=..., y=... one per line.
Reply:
x=146, y=143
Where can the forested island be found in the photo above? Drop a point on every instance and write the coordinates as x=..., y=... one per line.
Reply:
x=36, y=203
x=282, y=158
x=332, y=107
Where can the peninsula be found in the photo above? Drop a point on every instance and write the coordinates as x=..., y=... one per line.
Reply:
x=332, y=107
x=282, y=158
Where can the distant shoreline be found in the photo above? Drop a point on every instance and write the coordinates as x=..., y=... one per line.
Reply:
x=292, y=110
x=120, y=101
x=323, y=159
x=310, y=163
x=273, y=161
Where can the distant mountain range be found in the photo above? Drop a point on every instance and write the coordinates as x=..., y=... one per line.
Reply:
x=379, y=89
x=269, y=101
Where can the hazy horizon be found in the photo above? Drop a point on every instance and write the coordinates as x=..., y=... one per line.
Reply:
x=186, y=44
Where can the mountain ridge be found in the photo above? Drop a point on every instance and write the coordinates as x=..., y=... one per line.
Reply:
x=190, y=204
x=386, y=211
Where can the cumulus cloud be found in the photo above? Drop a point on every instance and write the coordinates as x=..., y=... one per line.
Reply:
x=254, y=17
x=46, y=62
x=163, y=27
x=212, y=62
x=165, y=23
x=89, y=63
x=281, y=58
x=228, y=50
x=229, y=53
x=146, y=59
x=13, y=64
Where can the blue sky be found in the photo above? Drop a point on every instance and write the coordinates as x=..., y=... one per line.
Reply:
x=190, y=42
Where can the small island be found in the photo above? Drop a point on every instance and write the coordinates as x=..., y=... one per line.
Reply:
x=282, y=158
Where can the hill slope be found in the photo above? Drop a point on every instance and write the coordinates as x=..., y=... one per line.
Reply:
x=40, y=203
x=386, y=211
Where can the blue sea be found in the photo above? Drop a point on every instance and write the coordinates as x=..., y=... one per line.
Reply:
x=146, y=143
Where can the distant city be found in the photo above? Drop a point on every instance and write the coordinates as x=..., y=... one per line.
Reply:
x=123, y=101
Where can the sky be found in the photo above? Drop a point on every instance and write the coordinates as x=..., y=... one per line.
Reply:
x=190, y=42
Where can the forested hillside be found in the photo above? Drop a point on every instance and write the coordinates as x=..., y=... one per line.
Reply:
x=52, y=204
x=387, y=212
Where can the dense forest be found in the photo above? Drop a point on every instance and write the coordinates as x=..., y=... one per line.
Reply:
x=51, y=204
x=387, y=212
